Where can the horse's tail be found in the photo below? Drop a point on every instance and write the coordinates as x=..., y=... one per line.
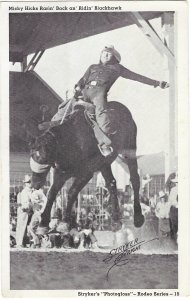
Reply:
x=130, y=142
x=127, y=129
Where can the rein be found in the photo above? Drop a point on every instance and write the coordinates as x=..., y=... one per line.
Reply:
x=52, y=134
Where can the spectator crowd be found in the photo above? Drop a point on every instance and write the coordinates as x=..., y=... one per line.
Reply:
x=27, y=207
x=25, y=217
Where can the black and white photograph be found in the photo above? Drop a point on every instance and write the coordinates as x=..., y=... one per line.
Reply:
x=94, y=147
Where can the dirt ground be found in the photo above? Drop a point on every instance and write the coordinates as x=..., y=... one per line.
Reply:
x=86, y=270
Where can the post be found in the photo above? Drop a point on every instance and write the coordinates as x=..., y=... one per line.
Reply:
x=148, y=190
x=101, y=201
x=78, y=207
x=51, y=176
x=65, y=200
x=14, y=187
x=62, y=203
x=152, y=36
x=24, y=63
x=169, y=40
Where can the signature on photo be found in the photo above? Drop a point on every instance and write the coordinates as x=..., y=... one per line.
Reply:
x=119, y=256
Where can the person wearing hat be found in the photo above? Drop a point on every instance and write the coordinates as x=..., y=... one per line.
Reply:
x=162, y=212
x=88, y=232
x=171, y=181
x=98, y=80
x=94, y=86
x=24, y=212
x=173, y=195
x=39, y=201
x=77, y=238
x=162, y=206
x=173, y=200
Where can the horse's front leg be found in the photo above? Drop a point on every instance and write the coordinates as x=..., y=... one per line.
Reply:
x=78, y=184
x=58, y=181
x=112, y=188
x=135, y=180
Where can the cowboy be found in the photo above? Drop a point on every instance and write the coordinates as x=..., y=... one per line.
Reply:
x=173, y=195
x=173, y=200
x=162, y=212
x=24, y=212
x=88, y=232
x=94, y=86
x=77, y=238
x=39, y=201
x=98, y=80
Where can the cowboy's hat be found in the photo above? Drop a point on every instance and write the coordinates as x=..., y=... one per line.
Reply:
x=27, y=178
x=175, y=179
x=161, y=194
x=90, y=215
x=113, y=51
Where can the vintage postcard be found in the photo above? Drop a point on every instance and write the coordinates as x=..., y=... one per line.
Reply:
x=95, y=148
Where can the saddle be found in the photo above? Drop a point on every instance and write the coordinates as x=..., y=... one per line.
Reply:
x=68, y=109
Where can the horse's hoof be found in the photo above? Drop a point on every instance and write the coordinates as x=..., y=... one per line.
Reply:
x=115, y=226
x=138, y=220
x=42, y=230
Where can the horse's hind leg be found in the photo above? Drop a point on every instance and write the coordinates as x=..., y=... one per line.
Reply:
x=135, y=180
x=76, y=187
x=112, y=188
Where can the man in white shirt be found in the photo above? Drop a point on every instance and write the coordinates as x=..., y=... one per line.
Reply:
x=162, y=212
x=39, y=201
x=24, y=211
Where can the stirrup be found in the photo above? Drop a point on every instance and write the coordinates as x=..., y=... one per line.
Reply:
x=109, y=150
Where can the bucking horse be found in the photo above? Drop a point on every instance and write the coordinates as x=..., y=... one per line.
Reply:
x=71, y=149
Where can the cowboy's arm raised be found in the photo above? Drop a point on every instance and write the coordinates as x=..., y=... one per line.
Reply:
x=126, y=73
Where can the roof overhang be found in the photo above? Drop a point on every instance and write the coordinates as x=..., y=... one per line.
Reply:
x=31, y=32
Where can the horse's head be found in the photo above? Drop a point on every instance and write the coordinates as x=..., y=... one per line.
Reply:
x=42, y=157
x=43, y=148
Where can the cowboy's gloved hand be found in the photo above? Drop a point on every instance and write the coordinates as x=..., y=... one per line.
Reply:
x=163, y=85
x=77, y=88
x=77, y=91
